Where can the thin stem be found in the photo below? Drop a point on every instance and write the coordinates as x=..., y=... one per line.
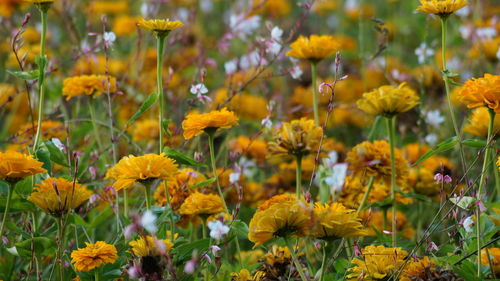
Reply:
x=125, y=203
x=160, y=44
x=298, y=175
x=481, y=185
x=366, y=195
x=41, y=79
x=390, y=122
x=96, y=275
x=94, y=124
x=295, y=260
x=314, y=74
x=147, y=194
x=60, y=234
x=10, y=191
x=214, y=169
x=323, y=262
x=171, y=216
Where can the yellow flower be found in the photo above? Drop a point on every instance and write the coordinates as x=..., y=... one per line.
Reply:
x=148, y=246
x=178, y=189
x=413, y=151
x=160, y=26
x=94, y=255
x=201, y=204
x=247, y=107
x=14, y=166
x=388, y=100
x=483, y=91
x=378, y=263
x=280, y=216
x=373, y=158
x=494, y=256
x=98, y=8
x=131, y=169
x=252, y=148
x=243, y=275
x=415, y=269
x=298, y=137
x=498, y=162
x=146, y=130
x=333, y=221
x=125, y=25
x=314, y=48
x=195, y=123
x=50, y=129
x=88, y=85
x=441, y=7
x=57, y=196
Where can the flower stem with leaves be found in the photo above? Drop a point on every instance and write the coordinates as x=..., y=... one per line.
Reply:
x=160, y=45
x=391, y=122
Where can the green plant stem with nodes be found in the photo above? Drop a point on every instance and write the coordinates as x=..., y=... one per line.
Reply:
x=491, y=125
x=366, y=195
x=314, y=77
x=160, y=45
x=214, y=168
x=41, y=74
x=10, y=191
x=147, y=194
x=323, y=262
x=298, y=175
x=295, y=259
x=94, y=124
x=391, y=122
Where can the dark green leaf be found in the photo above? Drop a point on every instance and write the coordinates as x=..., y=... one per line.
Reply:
x=151, y=99
x=77, y=220
x=241, y=228
x=474, y=143
x=183, y=252
x=202, y=183
x=443, y=146
x=17, y=205
x=42, y=245
x=43, y=155
x=25, y=75
x=56, y=155
x=165, y=124
x=24, y=186
x=181, y=158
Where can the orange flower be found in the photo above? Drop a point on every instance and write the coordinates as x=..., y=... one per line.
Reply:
x=483, y=91
x=201, y=204
x=195, y=124
x=314, y=48
x=94, y=255
x=14, y=166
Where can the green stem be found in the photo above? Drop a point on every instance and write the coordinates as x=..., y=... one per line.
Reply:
x=481, y=185
x=10, y=191
x=366, y=195
x=323, y=262
x=171, y=216
x=214, y=169
x=147, y=194
x=60, y=246
x=295, y=259
x=390, y=122
x=94, y=124
x=125, y=203
x=96, y=275
x=160, y=44
x=41, y=79
x=298, y=175
x=314, y=77
x=371, y=134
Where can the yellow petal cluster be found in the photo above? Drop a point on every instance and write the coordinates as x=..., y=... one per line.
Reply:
x=415, y=269
x=377, y=263
x=161, y=26
x=478, y=122
x=179, y=188
x=484, y=91
x=195, y=123
x=148, y=246
x=252, y=148
x=494, y=257
x=298, y=137
x=314, y=48
x=389, y=100
x=15, y=166
x=333, y=221
x=441, y=7
x=201, y=204
x=57, y=196
x=88, y=85
x=94, y=255
x=131, y=169
x=280, y=216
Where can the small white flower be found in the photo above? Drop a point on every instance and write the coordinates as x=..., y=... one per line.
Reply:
x=434, y=117
x=468, y=224
x=242, y=26
x=13, y=251
x=231, y=66
x=273, y=48
x=234, y=177
x=351, y=5
x=206, y=5
x=331, y=160
x=148, y=221
x=199, y=89
x=486, y=33
x=267, y=123
x=465, y=11
x=498, y=53
x=431, y=139
x=217, y=229
x=296, y=72
x=58, y=143
x=423, y=51
x=109, y=37
x=276, y=33
x=337, y=179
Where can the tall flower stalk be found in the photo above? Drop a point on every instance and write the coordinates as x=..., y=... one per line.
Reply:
x=160, y=45
x=314, y=77
x=391, y=126
x=214, y=168
x=298, y=175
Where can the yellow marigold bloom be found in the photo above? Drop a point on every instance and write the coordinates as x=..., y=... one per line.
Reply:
x=251, y=148
x=378, y=263
x=298, y=137
x=413, y=151
x=246, y=106
x=88, y=85
x=7, y=7
x=131, y=169
x=148, y=246
x=389, y=100
x=57, y=196
x=281, y=216
x=160, y=26
x=373, y=158
x=195, y=124
x=415, y=269
x=333, y=221
x=178, y=189
x=494, y=256
x=250, y=257
x=201, y=204
x=15, y=166
x=483, y=91
x=441, y=7
x=314, y=48
x=50, y=129
x=146, y=130
x=243, y=275
x=94, y=255
x=125, y=25
x=498, y=162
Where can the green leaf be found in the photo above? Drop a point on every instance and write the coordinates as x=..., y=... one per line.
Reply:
x=465, y=202
x=41, y=61
x=183, y=252
x=25, y=75
x=44, y=155
x=150, y=100
x=77, y=220
x=202, y=183
x=42, y=245
x=474, y=143
x=443, y=146
x=182, y=158
x=17, y=205
x=340, y=265
x=164, y=125
x=24, y=186
x=241, y=228
x=56, y=155
x=467, y=270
